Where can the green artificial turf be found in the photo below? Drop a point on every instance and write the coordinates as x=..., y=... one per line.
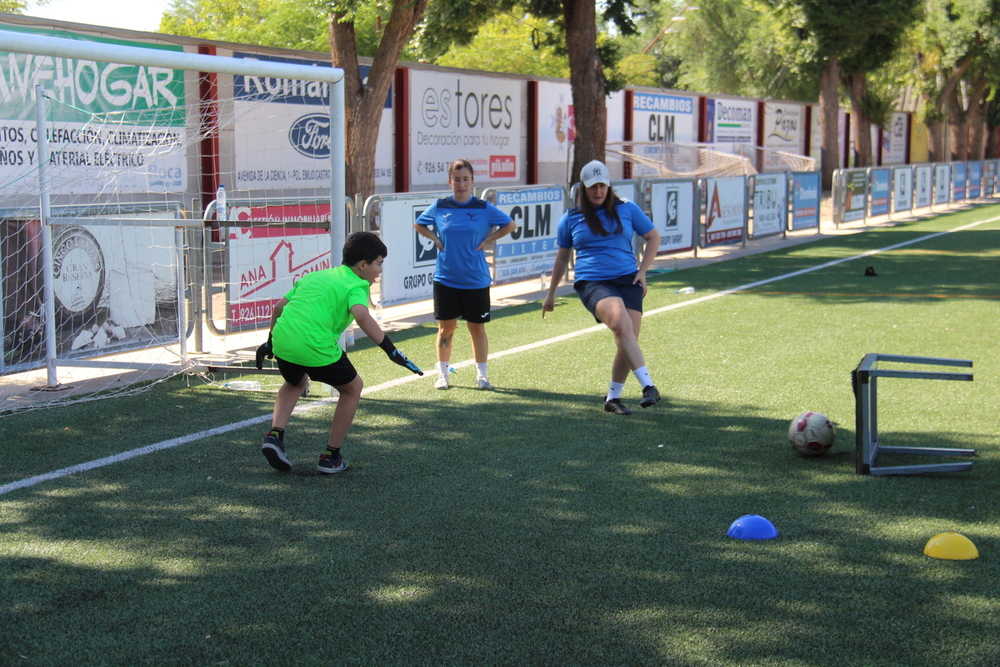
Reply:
x=526, y=526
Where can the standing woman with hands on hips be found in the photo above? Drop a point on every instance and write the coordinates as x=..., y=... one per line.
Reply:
x=463, y=226
x=600, y=229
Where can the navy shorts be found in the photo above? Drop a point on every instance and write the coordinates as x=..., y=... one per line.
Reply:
x=451, y=303
x=337, y=374
x=592, y=291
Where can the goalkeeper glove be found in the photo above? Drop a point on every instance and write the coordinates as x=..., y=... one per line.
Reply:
x=265, y=351
x=398, y=357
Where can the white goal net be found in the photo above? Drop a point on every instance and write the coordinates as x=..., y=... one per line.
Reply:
x=124, y=261
x=666, y=160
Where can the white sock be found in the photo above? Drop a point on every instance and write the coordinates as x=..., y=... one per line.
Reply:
x=443, y=367
x=615, y=390
x=481, y=370
x=642, y=375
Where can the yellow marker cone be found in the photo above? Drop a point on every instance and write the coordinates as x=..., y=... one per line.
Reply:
x=951, y=546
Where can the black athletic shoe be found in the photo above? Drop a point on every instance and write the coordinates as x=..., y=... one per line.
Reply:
x=328, y=465
x=616, y=406
x=650, y=396
x=274, y=451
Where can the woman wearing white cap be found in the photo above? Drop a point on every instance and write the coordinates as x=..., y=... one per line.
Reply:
x=600, y=229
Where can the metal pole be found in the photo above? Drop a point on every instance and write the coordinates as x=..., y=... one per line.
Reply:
x=48, y=273
x=338, y=171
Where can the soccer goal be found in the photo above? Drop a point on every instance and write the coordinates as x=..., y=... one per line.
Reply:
x=156, y=203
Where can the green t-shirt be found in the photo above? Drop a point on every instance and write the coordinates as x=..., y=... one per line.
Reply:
x=317, y=312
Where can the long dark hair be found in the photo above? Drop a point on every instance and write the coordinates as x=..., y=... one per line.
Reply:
x=590, y=213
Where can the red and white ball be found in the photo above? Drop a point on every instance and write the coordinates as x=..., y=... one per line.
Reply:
x=811, y=434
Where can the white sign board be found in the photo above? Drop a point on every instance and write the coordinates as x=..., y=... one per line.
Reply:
x=664, y=119
x=530, y=249
x=730, y=124
x=784, y=131
x=894, y=140
x=942, y=183
x=408, y=273
x=282, y=132
x=770, y=204
x=902, y=189
x=922, y=186
x=725, y=214
x=556, y=129
x=459, y=115
x=264, y=263
x=671, y=207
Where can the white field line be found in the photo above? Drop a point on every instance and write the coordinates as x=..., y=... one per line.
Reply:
x=220, y=430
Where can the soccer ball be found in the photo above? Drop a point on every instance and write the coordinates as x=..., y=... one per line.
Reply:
x=811, y=434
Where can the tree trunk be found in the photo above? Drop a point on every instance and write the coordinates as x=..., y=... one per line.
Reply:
x=936, y=106
x=935, y=140
x=364, y=100
x=958, y=126
x=587, y=83
x=861, y=124
x=977, y=119
x=829, y=108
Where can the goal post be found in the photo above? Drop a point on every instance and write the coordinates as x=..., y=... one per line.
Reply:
x=101, y=222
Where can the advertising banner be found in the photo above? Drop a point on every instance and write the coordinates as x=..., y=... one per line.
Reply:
x=902, y=189
x=110, y=126
x=726, y=213
x=784, y=130
x=282, y=131
x=922, y=186
x=265, y=262
x=770, y=204
x=959, y=173
x=729, y=123
x=989, y=177
x=461, y=115
x=664, y=119
x=894, y=140
x=615, y=113
x=975, y=188
x=879, y=192
x=856, y=184
x=672, y=210
x=556, y=129
x=805, y=200
x=114, y=285
x=409, y=275
x=942, y=183
x=530, y=250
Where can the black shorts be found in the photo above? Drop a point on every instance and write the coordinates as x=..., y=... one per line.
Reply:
x=337, y=374
x=451, y=303
x=592, y=291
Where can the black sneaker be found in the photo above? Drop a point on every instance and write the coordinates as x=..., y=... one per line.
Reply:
x=650, y=396
x=616, y=406
x=274, y=451
x=328, y=465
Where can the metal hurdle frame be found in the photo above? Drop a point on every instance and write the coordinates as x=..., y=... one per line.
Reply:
x=865, y=382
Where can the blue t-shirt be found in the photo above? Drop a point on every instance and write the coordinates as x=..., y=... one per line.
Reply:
x=603, y=257
x=461, y=228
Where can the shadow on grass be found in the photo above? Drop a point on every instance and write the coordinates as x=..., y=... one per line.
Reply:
x=522, y=527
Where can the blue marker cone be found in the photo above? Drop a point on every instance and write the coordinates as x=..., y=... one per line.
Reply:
x=752, y=527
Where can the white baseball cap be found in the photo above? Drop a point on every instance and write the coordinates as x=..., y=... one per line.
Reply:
x=595, y=172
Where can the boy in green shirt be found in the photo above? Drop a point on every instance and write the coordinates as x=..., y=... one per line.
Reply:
x=305, y=329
